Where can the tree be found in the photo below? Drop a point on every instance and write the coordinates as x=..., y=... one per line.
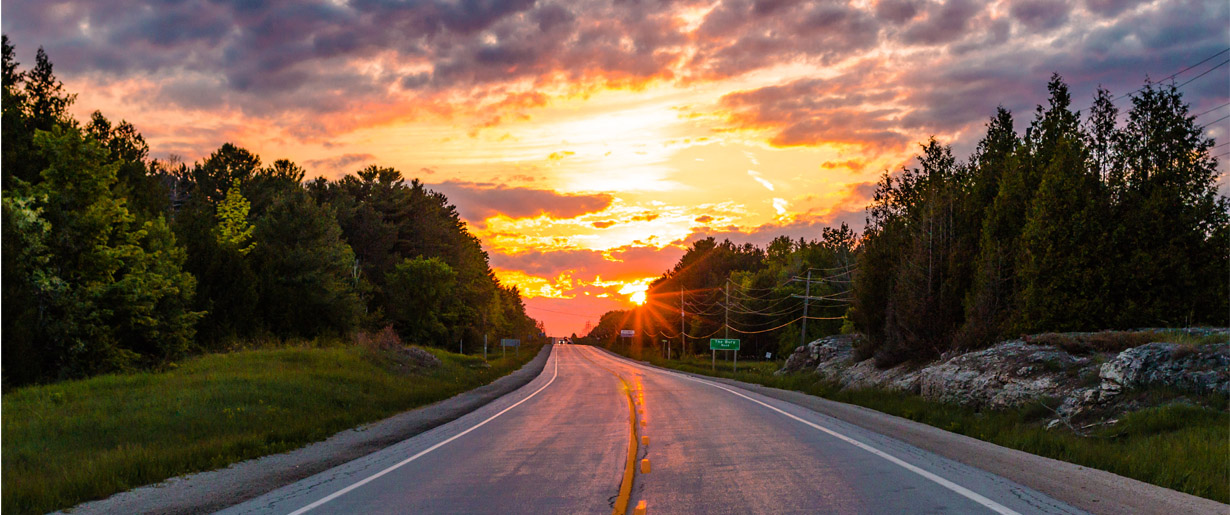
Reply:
x=303, y=268
x=233, y=229
x=1167, y=204
x=102, y=292
x=421, y=301
x=1061, y=269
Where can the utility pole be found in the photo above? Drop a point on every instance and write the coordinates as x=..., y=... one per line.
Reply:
x=727, y=324
x=735, y=351
x=683, y=335
x=806, y=300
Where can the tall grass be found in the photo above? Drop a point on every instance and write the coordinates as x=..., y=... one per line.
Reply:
x=1182, y=447
x=74, y=441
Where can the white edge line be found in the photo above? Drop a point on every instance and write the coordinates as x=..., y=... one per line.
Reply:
x=373, y=477
x=970, y=494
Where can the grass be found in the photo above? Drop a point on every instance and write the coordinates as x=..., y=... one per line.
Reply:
x=1177, y=446
x=75, y=441
x=1118, y=341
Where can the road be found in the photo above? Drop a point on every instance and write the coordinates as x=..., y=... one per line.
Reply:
x=561, y=444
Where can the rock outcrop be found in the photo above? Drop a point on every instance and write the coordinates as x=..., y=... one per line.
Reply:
x=1199, y=370
x=1003, y=376
x=1017, y=372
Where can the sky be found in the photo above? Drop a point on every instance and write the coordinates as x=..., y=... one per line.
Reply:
x=587, y=143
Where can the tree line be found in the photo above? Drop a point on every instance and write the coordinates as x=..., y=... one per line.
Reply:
x=1107, y=221
x=115, y=261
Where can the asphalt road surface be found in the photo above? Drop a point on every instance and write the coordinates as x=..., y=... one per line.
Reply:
x=561, y=444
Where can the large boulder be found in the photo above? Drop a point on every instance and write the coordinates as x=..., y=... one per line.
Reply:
x=1006, y=375
x=828, y=353
x=1198, y=369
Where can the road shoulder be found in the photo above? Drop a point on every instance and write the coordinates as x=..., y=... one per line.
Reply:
x=216, y=489
x=1092, y=490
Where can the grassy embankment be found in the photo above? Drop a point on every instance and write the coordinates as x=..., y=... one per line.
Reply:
x=74, y=441
x=1185, y=448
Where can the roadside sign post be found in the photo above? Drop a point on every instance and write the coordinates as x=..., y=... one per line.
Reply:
x=510, y=342
x=484, y=347
x=627, y=334
x=731, y=344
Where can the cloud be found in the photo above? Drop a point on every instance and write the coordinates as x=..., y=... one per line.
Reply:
x=339, y=163
x=760, y=178
x=478, y=201
x=854, y=165
x=1040, y=15
x=847, y=108
x=629, y=262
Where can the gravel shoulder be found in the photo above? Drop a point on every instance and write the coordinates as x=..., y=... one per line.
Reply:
x=216, y=489
x=1092, y=490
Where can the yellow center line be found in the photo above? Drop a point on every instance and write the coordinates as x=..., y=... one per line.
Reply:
x=625, y=487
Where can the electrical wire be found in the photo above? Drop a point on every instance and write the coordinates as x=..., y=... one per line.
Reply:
x=764, y=330
x=1211, y=110
x=1206, y=72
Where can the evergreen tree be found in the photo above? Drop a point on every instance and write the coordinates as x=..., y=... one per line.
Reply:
x=1062, y=268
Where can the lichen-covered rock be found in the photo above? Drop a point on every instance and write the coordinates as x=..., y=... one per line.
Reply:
x=1201, y=369
x=832, y=351
x=1003, y=376
x=864, y=374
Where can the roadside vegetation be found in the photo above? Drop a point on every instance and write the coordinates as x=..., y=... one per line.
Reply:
x=1177, y=446
x=1096, y=216
x=116, y=262
x=74, y=441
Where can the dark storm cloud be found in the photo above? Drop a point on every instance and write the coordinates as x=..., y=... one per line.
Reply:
x=1041, y=15
x=316, y=68
x=943, y=23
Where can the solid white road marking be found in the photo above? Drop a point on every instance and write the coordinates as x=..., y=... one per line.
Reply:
x=373, y=477
x=969, y=494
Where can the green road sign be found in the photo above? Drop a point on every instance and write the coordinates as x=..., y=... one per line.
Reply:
x=724, y=344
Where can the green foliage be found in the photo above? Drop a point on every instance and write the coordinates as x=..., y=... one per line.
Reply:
x=1091, y=226
x=233, y=229
x=303, y=269
x=420, y=299
x=387, y=221
x=96, y=279
x=99, y=290
x=76, y=441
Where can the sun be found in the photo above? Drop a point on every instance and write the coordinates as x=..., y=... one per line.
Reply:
x=638, y=298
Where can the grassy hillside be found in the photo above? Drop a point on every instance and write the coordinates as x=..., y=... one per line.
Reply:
x=1180, y=447
x=75, y=441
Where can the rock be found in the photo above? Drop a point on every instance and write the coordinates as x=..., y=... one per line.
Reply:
x=1003, y=376
x=1201, y=369
x=830, y=351
x=864, y=375
x=419, y=358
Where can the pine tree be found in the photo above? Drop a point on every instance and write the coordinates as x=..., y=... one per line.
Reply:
x=233, y=229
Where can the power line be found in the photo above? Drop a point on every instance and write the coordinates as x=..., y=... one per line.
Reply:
x=765, y=330
x=1211, y=110
x=1206, y=72
x=1215, y=121
x=1175, y=74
